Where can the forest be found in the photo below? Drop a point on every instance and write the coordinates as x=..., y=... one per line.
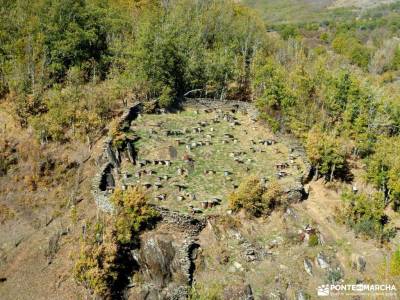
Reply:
x=333, y=83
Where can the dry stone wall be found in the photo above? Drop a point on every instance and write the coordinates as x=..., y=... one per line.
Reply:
x=110, y=161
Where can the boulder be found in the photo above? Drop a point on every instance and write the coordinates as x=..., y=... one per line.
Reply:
x=322, y=261
x=295, y=192
x=308, y=266
x=239, y=291
x=358, y=262
x=300, y=295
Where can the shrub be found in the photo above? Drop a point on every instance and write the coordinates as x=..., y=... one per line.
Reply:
x=395, y=263
x=27, y=106
x=132, y=212
x=229, y=222
x=102, y=251
x=166, y=99
x=119, y=134
x=334, y=276
x=254, y=198
x=149, y=107
x=365, y=215
x=313, y=241
x=6, y=213
x=8, y=156
x=214, y=292
x=96, y=266
x=353, y=49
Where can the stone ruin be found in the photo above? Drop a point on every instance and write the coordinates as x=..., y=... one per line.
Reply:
x=181, y=252
x=105, y=181
x=110, y=160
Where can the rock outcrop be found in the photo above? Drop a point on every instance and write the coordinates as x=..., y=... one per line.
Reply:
x=165, y=257
x=110, y=160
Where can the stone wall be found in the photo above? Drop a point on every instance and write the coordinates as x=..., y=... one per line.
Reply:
x=130, y=115
x=246, y=107
x=99, y=189
x=110, y=160
x=166, y=257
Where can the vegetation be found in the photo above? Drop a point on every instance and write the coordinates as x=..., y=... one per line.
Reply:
x=8, y=156
x=365, y=215
x=132, y=212
x=254, y=198
x=331, y=79
x=206, y=47
x=96, y=265
x=105, y=247
x=326, y=154
x=212, y=293
x=68, y=82
x=395, y=263
x=313, y=240
x=383, y=170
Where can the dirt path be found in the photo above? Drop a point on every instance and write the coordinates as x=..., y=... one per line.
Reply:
x=320, y=207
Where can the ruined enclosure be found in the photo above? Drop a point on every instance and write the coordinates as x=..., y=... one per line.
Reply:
x=190, y=161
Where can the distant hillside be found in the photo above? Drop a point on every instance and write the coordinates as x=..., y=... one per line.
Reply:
x=360, y=3
x=293, y=11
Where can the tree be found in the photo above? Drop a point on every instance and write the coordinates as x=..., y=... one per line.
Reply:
x=205, y=46
x=75, y=34
x=274, y=99
x=326, y=154
x=365, y=215
x=383, y=169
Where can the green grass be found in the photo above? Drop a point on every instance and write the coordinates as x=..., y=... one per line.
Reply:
x=214, y=157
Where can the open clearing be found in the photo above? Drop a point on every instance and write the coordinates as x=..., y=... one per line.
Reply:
x=201, y=154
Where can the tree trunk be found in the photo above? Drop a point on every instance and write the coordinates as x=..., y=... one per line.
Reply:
x=332, y=172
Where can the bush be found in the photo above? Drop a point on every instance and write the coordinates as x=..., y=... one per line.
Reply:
x=254, y=198
x=395, y=263
x=334, y=276
x=352, y=48
x=313, y=241
x=103, y=252
x=214, y=292
x=166, y=99
x=132, y=213
x=365, y=215
x=8, y=156
x=96, y=266
x=149, y=107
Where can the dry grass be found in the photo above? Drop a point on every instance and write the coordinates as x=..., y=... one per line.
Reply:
x=6, y=213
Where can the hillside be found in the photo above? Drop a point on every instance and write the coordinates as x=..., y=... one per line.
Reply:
x=299, y=11
x=200, y=150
